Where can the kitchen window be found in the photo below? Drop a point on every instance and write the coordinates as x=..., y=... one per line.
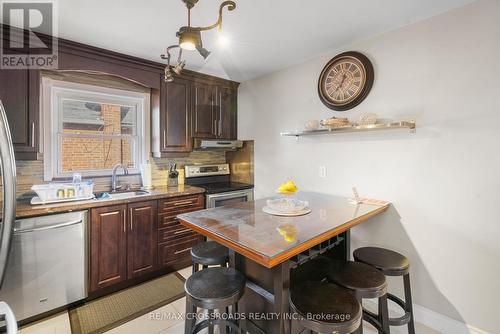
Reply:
x=88, y=129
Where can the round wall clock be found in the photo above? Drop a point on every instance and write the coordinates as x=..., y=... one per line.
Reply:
x=345, y=81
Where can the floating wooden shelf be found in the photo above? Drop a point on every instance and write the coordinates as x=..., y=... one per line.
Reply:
x=411, y=126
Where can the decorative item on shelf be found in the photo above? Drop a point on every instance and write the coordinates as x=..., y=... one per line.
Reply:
x=190, y=39
x=409, y=125
x=367, y=119
x=335, y=122
x=173, y=175
x=311, y=125
x=345, y=81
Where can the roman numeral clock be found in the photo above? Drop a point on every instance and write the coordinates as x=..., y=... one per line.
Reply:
x=345, y=81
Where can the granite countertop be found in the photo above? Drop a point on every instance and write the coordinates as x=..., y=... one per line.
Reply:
x=25, y=209
x=270, y=240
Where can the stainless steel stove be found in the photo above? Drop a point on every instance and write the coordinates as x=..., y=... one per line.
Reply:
x=216, y=180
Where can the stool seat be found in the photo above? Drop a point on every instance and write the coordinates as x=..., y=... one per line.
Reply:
x=210, y=253
x=325, y=307
x=215, y=286
x=387, y=261
x=365, y=280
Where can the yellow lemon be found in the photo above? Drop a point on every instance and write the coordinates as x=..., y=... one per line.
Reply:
x=288, y=188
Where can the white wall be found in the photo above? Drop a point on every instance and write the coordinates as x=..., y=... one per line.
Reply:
x=443, y=181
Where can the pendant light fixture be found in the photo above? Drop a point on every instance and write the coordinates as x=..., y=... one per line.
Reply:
x=190, y=39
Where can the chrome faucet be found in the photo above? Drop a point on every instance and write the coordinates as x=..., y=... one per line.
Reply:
x=114, y=187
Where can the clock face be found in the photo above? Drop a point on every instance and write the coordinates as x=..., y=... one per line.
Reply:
x=345, y=81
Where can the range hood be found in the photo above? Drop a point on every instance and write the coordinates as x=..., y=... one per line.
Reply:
x=214, y=144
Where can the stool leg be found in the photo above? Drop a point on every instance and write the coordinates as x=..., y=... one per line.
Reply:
x=409, y=303
x=383, y=313
x=211, y=325
x=360, y=329
x=195, y=267
x=190, y=320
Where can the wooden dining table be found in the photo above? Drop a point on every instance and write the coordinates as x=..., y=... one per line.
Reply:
x=267, y=248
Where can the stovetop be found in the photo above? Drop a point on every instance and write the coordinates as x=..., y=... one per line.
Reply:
x=222, y=187
x=217, y=184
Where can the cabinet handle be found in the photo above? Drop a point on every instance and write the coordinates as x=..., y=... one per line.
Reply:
x=182, y=251
x=220, y=127
x=164, y=138
x=215, y=127
x=183, y=202
x=32, y=134
x=182, y=231
x=131, y=225
x=124, y=222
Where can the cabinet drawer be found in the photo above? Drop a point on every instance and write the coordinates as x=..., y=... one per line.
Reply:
x=179, y=203
x=173, y=232
x=170, y=252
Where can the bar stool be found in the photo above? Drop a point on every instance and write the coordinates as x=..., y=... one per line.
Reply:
x=209, y=253
x=366, y=282
x=210, y=289
x=324, y=307
x=391, y=263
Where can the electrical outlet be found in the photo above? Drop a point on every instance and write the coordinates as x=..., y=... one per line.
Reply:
x=322, y=171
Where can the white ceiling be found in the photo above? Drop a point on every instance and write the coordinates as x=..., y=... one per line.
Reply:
x=264, y=35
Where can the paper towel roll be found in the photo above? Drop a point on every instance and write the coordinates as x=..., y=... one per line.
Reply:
x=146, y=176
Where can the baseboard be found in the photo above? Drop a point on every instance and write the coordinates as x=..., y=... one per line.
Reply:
x=434, y=320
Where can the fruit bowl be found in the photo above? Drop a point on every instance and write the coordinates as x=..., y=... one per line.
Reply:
x=287, y=204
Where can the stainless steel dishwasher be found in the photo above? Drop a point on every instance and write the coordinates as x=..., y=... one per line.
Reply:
x=47, y=266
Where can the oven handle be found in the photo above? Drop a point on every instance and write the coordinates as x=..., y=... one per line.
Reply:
x=246, y=192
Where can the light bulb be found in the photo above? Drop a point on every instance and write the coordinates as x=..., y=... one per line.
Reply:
x=222, y=39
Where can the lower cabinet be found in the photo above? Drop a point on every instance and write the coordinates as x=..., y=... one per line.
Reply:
x=142, y=238
x=108, y=246
x=129, y=241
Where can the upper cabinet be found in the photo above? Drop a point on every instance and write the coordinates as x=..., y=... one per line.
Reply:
x=19, y=92
x=227, y=113
x=175, y=108
x=214, y=111
x=204, y=115
x=194, y=107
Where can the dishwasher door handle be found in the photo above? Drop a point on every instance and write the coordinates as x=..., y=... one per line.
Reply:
x=45, y=228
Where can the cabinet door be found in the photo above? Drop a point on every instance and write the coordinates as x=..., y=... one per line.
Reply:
x=204, y=116
x=142, y=238
x=19, y=92
x=227, y=112
x=175, y=129
x=108, y=246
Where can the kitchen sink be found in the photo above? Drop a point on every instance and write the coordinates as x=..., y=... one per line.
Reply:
x=128, y=194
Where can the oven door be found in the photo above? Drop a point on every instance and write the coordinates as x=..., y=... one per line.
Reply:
x=216, y=200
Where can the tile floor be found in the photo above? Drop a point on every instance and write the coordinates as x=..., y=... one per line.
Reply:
x=59, y=324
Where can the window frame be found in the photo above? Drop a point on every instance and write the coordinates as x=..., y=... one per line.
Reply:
x=53, y=94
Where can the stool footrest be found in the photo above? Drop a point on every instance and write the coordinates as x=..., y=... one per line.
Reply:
x=404, y=319
x=221, y=322
x=372, y=318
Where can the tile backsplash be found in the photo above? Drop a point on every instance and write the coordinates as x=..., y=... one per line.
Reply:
x=31, y=172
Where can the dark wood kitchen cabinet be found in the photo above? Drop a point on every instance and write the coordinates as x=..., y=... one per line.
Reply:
x=203, y=111
x=108, y=246
x=142, y=238
x=123, y=243
x=175, y=240
x=214, y=111
x=19, y=92
x=175, y=117
x=227, y=113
